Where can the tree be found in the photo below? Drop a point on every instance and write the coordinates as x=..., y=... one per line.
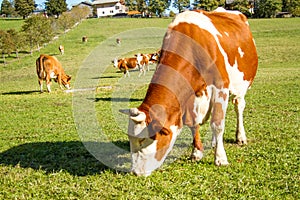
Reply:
x=242, y=6
x=37, y=30
x=24, y=7
x=181, y=5
x=7, y=8
x=80, y=13
x=158, y=7
x=66, y=21
x=209, y=5
x=131, y=4
x=292, y=6
x=56, y=7
x=6, y=43
x=268, y=8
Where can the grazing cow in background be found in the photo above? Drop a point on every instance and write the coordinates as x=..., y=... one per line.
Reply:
x=84, y=39
x=145, y=59
x=47, y=68
x=152, y=58
x=126, y=64
x=118, y=40
x=61, y=49
x=205, y=57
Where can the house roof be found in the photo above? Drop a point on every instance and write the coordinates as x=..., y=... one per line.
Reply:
x=104, y=1
x=85, y=3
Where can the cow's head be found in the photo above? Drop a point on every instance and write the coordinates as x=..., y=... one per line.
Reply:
x=150, y=140
x=66, y=81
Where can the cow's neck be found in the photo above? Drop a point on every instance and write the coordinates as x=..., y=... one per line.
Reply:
x=159, y=103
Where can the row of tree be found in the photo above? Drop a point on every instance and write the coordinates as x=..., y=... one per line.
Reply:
x=24, y=8
x=38, y=30
x=251, y=8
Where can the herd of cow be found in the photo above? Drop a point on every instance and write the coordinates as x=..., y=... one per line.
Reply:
x=139, y=61
x=48, y=67
x=206, y=59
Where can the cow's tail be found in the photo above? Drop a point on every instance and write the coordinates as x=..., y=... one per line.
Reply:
x=40, y=67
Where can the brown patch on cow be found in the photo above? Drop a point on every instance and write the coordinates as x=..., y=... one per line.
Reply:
x=217, y=114
x=163, y=143
x=223, y=95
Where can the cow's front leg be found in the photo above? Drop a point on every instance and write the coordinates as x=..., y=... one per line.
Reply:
x=218, y=126
x=239, y=106
x=197, y=153
x=59, y=81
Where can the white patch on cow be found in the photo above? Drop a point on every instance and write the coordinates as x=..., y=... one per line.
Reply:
x=253, y=41
x=197, y=18
x=201, y=106
x=238, y=86
x=48, y=87
x=116, y=62
x=53, y=75
x=68, y=86
x=197, y=154
x=221, y=9
x=241, y=52
x=144, y=160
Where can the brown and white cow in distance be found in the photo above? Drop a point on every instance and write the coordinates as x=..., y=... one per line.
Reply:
x=149, y=58
x=47, y=68
x=206, y=56
x=126, y=64
x=61, y=49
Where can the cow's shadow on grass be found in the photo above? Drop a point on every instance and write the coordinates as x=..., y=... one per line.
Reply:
x=22, y=92
x=117, y=99
x=72, y=157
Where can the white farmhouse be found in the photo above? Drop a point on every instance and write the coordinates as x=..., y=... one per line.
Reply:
x=109, y=8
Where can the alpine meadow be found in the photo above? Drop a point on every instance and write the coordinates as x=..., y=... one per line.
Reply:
x=45, y=154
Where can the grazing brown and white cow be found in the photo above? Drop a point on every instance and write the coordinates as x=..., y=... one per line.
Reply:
x=47, y=68
x=149, y=58
x=206, y=56
x=126, y=64
x=61, y=49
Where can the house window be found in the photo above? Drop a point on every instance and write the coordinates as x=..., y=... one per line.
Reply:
x=111, y=11
x=103, y=12
x=117, y=7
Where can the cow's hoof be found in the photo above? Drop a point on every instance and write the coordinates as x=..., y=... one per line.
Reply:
x=196, y=155
x=241, y=142
x=221, y=162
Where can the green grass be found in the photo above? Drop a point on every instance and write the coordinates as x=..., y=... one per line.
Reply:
x=6, y=24
x=42, y=156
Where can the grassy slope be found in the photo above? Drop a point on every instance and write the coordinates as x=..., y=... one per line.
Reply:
x=42, y=156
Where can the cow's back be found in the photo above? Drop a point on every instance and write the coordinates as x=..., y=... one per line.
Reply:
x=218, y=45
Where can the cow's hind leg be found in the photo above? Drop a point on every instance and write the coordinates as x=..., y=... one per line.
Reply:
x=41, y=85
x=48, y=82
x=197, y=153
x=239, y=106
x=218, y=125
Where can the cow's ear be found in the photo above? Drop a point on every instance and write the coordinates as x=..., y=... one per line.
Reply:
x=141, y=117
